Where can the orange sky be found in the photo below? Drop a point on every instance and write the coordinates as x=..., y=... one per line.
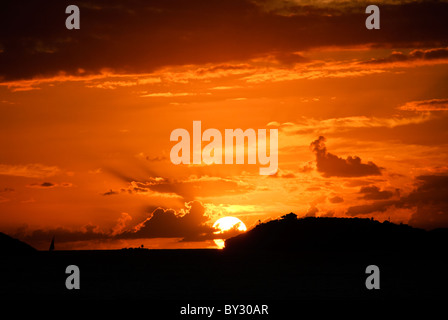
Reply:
x=86, y=117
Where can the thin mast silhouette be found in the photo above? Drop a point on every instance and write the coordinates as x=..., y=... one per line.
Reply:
x=52, y=244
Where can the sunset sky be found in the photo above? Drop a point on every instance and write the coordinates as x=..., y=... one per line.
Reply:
x=86, y=116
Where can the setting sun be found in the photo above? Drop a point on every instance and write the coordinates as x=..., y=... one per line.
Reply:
x=227, y=224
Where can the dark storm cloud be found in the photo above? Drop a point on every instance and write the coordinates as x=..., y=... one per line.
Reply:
x=141, y=36
x=191, y=224
x=330, y=165
x=429, y=198
x=374, y=193
x=431, y=201
x=167, y=223
x=378, y=206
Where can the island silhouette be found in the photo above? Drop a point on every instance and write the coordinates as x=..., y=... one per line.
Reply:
x=318, y=234
x=288, y=259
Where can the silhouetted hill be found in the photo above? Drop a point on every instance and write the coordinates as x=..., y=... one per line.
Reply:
x=9, y=245
x=335, y=234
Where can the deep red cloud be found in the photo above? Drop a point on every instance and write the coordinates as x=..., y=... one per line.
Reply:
x=142, y=36
x=428, y=199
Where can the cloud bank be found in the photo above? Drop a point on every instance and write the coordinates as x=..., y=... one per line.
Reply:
x=330, y=165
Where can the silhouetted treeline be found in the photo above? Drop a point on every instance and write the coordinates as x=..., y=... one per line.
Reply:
x=336, y=234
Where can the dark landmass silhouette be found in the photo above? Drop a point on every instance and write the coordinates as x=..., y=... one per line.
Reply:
x=12, y=246
x=317, y=234
x=288, y=259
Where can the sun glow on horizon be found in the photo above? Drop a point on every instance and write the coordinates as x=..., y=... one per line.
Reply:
x=226, y=224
